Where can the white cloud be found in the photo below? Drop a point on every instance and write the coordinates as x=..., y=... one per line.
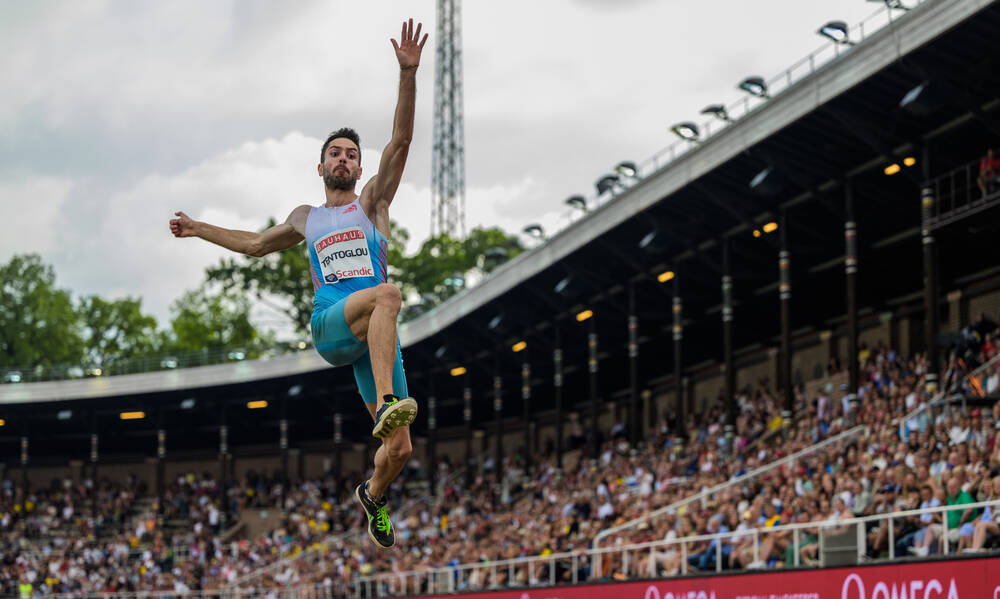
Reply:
x=197, y=106
x=31, y=213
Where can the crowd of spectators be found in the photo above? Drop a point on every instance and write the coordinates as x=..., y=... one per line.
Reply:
x=57, y=539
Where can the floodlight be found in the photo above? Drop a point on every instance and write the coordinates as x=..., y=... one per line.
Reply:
x=495, y=254
x=892, y=4
x=256, y=405
x=892, y=169
x=132, y=415
x=770, y=227
x=756, y=232
x=665, y=276
x=909, y=161
x=686, y=131
x=565, y=286
x=920, y=101
x=755, y=86
x=766, y=182
x=458, y=371
x=187, y=404
x=2, y=422
x=606, y=183
x=294, y=390
x=535, y=230
x=653, y=242
x=519, y=346
x=838, y=31
x=584, y=315
x=578, y=202
x=718, y=111
x=626, y=168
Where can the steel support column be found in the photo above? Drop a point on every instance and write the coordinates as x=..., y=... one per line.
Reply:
x=931, y=313
x=851, y=270
x=432, y=443
x=526, y=401
x=729, y=372
x=678, y=330
x=498, y=411
x=467, y=417
x=595, y=402
x=93, y=464
x=338, y=442
x=223, y=470
x=557, y=382
x=24, y=461
x=635, y=432
x=161, y=457
x=785, y=296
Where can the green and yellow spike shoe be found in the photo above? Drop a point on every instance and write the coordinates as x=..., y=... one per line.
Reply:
x=393, y=414
x=379, y=525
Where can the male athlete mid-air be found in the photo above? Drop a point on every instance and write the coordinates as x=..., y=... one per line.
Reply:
x=354, y=316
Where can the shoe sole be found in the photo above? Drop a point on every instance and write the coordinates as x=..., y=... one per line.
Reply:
x=357, y=493
x=401, y=414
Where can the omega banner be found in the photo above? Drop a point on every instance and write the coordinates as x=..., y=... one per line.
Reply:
x=956, y=579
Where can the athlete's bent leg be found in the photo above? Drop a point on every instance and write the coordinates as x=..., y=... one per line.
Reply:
x=371, y=314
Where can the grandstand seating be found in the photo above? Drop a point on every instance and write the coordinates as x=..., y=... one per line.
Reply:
x=552, y=514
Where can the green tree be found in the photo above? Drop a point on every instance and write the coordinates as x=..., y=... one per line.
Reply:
x=443, y=266
x=38, y=325
x=280, y=280
x=116, y=330
x=202, y=320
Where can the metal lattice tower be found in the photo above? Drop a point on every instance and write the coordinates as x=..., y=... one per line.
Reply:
x=448, y=161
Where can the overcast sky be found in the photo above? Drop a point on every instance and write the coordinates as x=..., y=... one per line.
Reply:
x=114, y=114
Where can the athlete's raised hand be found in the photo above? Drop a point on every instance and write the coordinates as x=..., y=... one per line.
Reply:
x=408, y=49
x=182, y=226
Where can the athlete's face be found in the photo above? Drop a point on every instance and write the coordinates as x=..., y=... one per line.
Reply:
x=341, y=167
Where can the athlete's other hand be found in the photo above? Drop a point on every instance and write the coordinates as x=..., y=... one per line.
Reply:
x=408, y=50
x=182, y=226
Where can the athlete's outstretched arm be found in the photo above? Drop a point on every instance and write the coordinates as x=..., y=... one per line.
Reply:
x=390, y=169
x=274, y=239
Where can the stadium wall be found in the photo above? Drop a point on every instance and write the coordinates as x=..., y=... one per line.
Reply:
x=948, y=579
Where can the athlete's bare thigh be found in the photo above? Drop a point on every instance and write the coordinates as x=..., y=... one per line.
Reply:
x=357, y=311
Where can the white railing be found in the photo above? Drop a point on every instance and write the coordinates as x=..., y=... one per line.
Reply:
x=541, y=570
x=941, y=400
x=708, y=493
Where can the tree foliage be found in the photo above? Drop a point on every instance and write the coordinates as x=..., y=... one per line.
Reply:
x=281, y=280
x=38, y=324
x=444, y=266
x=202, y=320
x=115, y=330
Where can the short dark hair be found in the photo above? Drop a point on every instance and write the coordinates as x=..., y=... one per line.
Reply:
x=345, y=132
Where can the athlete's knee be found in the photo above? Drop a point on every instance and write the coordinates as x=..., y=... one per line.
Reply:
x=388, y=296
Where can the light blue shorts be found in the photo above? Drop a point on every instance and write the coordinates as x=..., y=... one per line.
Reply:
x=334, y=340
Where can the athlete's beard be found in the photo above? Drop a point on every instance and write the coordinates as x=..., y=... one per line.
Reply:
x=338, y=181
